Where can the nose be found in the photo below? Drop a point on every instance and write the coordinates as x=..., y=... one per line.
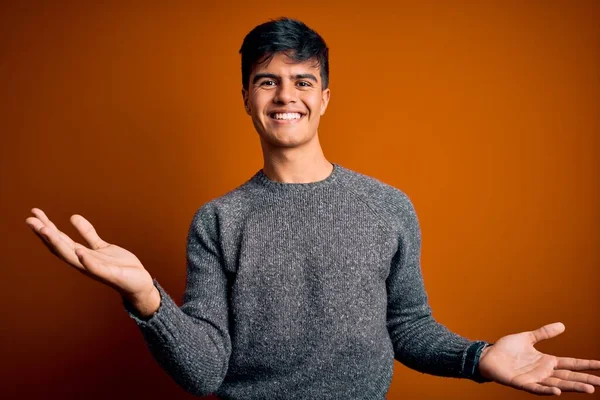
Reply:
x=286, y=93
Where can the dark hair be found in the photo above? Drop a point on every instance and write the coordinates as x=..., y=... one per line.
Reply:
x=285, y=35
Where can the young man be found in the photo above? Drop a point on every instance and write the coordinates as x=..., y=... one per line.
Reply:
x=305, y=281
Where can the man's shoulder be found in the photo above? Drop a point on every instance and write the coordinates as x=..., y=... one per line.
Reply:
x=375, y=190
x=390, y=203
x=234, y=203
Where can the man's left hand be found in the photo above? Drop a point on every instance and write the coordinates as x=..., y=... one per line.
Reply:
x=513, y=361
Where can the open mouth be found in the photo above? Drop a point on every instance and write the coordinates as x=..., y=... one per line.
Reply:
x=286, y=117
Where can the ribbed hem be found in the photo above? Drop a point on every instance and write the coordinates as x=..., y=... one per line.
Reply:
x=380, y=387
x=263, y=180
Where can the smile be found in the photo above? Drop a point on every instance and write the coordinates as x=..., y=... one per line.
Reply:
x=286, y=117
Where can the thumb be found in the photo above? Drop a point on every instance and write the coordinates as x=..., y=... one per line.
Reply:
x=547, y=332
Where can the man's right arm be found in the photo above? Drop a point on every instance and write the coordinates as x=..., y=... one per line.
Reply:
x=191, y=343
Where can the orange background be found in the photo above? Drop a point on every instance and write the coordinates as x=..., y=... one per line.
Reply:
x=485, y=113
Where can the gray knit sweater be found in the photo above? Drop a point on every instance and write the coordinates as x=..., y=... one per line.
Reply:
x=302, y=291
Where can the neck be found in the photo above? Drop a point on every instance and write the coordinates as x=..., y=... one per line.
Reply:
x=296, y=165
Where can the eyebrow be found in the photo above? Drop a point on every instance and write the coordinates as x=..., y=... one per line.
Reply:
x=260, y=76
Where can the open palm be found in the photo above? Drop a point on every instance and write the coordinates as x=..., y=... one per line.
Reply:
x=102, y=261
x=514, y=361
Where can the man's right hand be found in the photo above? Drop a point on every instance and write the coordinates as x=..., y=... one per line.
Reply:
x=101, y=261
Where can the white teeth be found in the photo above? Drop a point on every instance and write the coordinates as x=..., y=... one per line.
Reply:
x=287, y=116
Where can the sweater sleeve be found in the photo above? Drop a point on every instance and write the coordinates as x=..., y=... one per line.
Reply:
x=419, y=341
x=192, y=343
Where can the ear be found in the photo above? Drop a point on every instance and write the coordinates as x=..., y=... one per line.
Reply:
x=246, y=102
x=325, y=100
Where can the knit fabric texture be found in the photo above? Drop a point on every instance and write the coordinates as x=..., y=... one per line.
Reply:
x=302, y=291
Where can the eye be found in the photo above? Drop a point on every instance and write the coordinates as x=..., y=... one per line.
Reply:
x=267, y=83
x=304, y=84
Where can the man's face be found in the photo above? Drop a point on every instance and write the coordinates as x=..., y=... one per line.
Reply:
x=285, y=100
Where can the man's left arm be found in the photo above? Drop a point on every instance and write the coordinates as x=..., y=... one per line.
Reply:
x=423, y=344
x=420, y=342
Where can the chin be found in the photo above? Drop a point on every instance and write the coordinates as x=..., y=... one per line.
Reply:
x=288, y=143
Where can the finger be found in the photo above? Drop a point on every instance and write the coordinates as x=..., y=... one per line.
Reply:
x=41, y=237
x=43, y=217
x=547, y=332
x=44, y=221
x=568, y=386
x=73, y=244
x=87, y=231
x=542, y=390
x=35, y=224
x=61, y=248
x=576, y=364
x=577, y=377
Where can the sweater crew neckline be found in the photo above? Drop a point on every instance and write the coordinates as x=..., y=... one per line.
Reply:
x=262, y=179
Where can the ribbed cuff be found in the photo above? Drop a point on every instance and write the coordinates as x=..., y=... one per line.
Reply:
x=133, y=312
